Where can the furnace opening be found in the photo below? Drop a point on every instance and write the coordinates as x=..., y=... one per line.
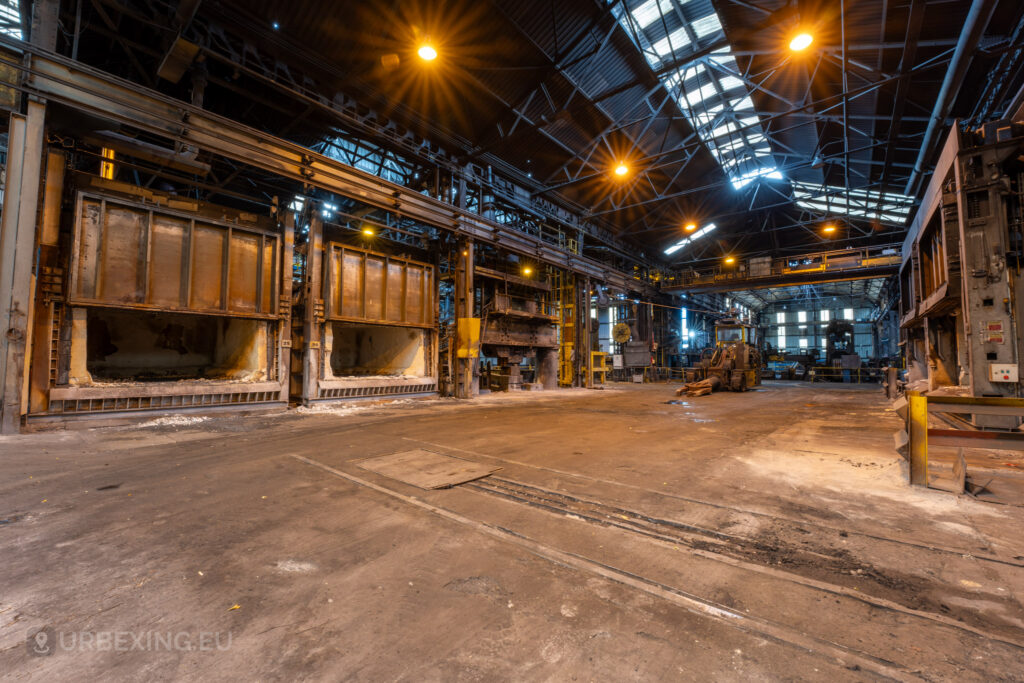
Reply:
x=118, y=346
x=376, y=350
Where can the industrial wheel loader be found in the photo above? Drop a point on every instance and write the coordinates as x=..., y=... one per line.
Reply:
x=735, y=364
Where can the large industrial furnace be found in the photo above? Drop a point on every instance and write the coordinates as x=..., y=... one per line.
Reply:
x=167, y=303
x=372, y=331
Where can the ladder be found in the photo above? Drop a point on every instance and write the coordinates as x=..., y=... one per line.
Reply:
x=565, y=291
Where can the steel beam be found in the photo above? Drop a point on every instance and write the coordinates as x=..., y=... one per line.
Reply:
x=101, y=94
x=977, y=19
x=789, y=280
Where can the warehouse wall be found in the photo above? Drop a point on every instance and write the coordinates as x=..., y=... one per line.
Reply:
x=813, y=326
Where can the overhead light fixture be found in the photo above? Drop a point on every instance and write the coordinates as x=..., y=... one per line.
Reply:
x=800, y=42
x=690, y=227
x=829, y=229
x=427, y=53
x=368, y=232
x=730, y=259
x=527, y=270
x=689, y=240
x=621, y=170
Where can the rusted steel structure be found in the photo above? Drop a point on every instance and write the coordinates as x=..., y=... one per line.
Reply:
x=369, y=324
x=128, y=301
x=518, y=321
x=961, y=287
x=155, y=302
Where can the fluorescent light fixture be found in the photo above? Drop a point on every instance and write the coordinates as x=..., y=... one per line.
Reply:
x=687, y=240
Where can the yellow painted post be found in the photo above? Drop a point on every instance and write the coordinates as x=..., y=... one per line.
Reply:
x=917, y=411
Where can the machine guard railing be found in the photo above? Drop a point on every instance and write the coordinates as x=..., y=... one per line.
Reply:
x=922, y=436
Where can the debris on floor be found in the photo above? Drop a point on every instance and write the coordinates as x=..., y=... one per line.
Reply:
x=426, y=469
x=701, y=388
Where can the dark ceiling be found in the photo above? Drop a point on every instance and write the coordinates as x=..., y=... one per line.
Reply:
x=559, y=92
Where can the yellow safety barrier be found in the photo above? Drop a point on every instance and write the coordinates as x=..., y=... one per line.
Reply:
x=856, y=375
x=650, y=373
x=921, y=436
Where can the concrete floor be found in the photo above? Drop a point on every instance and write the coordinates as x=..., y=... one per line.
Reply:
x=767, y=536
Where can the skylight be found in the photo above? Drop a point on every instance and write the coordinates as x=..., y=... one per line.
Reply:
x=887, y=207
x=710, y=90
x=688, y=240
x=10, y=19
x=749, y=177
x=651, y=11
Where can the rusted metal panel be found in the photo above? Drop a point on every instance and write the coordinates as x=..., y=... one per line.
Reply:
x=135, y=255
x=244, y=265
x=350, y=280
x=169, y=248
x=416, y=295
x=122, y=256
x=364, y=286
x=207, y=267
x=268, y=274
x=373, y=295
x=394, y=309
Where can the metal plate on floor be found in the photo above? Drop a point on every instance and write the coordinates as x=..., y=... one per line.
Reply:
x=426, y=469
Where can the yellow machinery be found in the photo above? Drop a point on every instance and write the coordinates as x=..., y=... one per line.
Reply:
x=600, y=366
x=736, y=360
x=565, y=288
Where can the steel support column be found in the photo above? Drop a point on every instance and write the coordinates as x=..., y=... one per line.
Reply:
x=588, y=356
x=312, y=357
x=467, y=384
x=17, y=249
x=284, y=308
